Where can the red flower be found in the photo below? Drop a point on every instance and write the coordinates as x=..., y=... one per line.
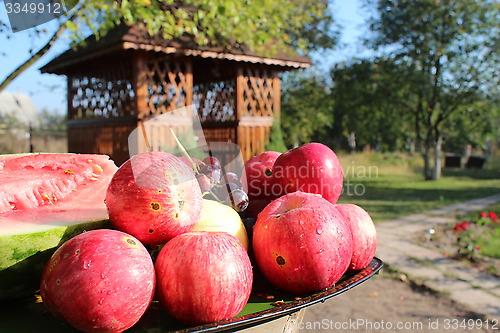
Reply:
x=483, y=214
x=493, y=216
x=461, y=226
x=478, y=248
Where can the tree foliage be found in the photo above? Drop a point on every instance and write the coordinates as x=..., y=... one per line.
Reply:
x=452, y=45
x=376, y=100
x=371, y=99
x=276, y=139
x=254, y=24
x=52, y=121
x=306, y=108
x=476, y=124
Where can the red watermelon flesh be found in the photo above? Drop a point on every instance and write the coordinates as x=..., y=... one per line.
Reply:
x=41, y=191
x=45, y=179
x=46, y=199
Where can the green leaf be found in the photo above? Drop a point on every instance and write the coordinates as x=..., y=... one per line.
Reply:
x=71, y=26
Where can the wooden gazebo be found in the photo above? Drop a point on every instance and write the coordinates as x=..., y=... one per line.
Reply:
x=128, y=77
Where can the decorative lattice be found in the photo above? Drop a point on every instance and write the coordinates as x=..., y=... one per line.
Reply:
x=215, y=101
x=258, y=93
x=239, y=109
x=105, y=92
x=167, y=85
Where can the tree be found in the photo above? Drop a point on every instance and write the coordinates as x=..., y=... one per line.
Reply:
x=235, y=24
x=276, y=140
x=451, y=44
x=306, y=107
x=370, y=98
x=13, y=134
x=52, y=121
x=476, y=124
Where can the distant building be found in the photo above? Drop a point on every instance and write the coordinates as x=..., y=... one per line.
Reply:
x=20, y=107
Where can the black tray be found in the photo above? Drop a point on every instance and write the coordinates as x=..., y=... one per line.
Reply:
x=265, y=304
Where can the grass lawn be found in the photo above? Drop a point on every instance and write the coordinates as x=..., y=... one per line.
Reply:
x=392, y=185
x=490, y=244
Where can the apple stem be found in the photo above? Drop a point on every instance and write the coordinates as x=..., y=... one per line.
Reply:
x=185, y=153
x=183, y=150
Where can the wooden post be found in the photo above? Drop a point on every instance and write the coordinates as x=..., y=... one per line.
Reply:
x=240, y=103
x=189, y=82
x=140, y=85
x=277, y=96
x=69, y=87
x=70, y=113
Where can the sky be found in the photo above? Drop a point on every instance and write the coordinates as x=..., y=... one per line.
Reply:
x=49, y=90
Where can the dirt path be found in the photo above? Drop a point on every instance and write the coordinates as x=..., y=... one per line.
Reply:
x=387, y=304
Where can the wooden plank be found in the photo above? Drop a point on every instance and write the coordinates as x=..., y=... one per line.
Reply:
x=256, y=121
x=101, y=122
x=211, y=124
x=71, y=92
x=277, y=96
x=240, y=96
x=239, y=105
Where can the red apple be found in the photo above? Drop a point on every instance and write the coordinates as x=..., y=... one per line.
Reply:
x=312, y=168
x=203, y=277
x=302, y=243
x=364, y=235
x=99, y=281
x=154, y=197
x=257, y=176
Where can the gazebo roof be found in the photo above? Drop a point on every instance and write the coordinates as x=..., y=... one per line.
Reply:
x=124, y=37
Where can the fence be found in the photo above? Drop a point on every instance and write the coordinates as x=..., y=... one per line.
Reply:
x=15, y=141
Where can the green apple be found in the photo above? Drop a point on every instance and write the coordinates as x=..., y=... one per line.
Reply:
x=216, y=216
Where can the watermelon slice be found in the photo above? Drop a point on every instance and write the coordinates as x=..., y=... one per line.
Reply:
x=45, y=199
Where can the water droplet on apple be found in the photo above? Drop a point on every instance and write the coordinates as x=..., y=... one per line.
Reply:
x=319, y=230
x=87, y=264
x=101, y=301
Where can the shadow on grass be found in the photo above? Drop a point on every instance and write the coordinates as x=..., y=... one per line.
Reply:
x=392, y=196
x=426, y=195
x=472, y=173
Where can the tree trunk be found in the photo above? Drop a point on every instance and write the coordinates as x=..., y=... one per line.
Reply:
x=436, y=174
x=351, y=139
x=419, y=142
x=427, y=165
x=427, y=144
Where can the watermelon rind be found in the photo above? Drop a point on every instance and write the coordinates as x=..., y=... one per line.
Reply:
x=23, y=257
